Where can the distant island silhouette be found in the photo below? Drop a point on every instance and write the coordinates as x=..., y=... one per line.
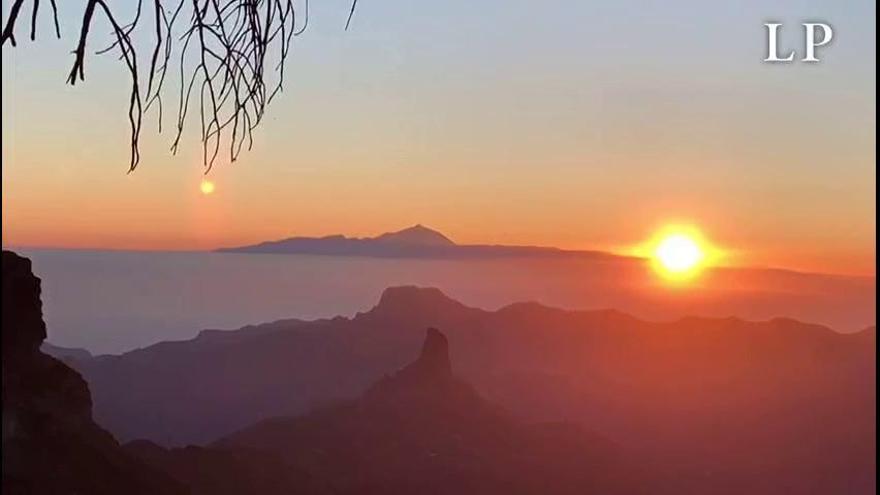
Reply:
x=417, y=241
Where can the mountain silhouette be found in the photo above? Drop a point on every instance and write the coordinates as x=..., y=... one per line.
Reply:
x=417, y=241
x=50, y=443
x=417, y=234
x=423, y=430
x=720, y=405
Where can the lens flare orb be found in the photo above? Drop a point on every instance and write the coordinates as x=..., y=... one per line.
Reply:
x=207, y=187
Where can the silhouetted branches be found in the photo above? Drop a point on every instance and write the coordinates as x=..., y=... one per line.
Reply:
x=220, y=48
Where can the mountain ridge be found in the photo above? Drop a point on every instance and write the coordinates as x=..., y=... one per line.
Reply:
x=404, y=299
x=688, y=394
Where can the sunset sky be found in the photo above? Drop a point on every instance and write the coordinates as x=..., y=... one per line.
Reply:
x=573, y=124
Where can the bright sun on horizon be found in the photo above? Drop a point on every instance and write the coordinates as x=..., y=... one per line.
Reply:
x=678, y=253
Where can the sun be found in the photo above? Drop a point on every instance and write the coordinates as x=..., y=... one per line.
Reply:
x=678, y=254
x=207, y=187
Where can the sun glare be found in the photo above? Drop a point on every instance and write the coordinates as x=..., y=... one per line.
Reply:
x=207, y=187
x=678, y=253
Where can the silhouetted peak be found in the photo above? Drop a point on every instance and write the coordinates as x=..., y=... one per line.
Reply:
x=432, y=365
x=427, y=385
x=434, y=358
x=412, y=300
x=417, y=234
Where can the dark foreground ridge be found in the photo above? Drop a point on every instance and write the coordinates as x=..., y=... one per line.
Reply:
x=50, y=443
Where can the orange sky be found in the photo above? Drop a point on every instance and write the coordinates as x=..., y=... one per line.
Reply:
x=487, y=137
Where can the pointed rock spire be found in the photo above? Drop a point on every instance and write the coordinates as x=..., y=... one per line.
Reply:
x=426, y=376
x=434, y=358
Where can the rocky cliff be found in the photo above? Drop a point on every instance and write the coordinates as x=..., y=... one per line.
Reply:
x=50, y=443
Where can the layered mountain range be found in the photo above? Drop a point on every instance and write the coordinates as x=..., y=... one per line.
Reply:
x=712, y=405
x=536, y=400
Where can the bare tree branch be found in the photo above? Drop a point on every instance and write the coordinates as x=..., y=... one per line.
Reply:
x=222, y=51
x=350, y=13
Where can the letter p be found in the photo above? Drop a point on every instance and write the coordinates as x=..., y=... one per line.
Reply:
x=812, y=43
